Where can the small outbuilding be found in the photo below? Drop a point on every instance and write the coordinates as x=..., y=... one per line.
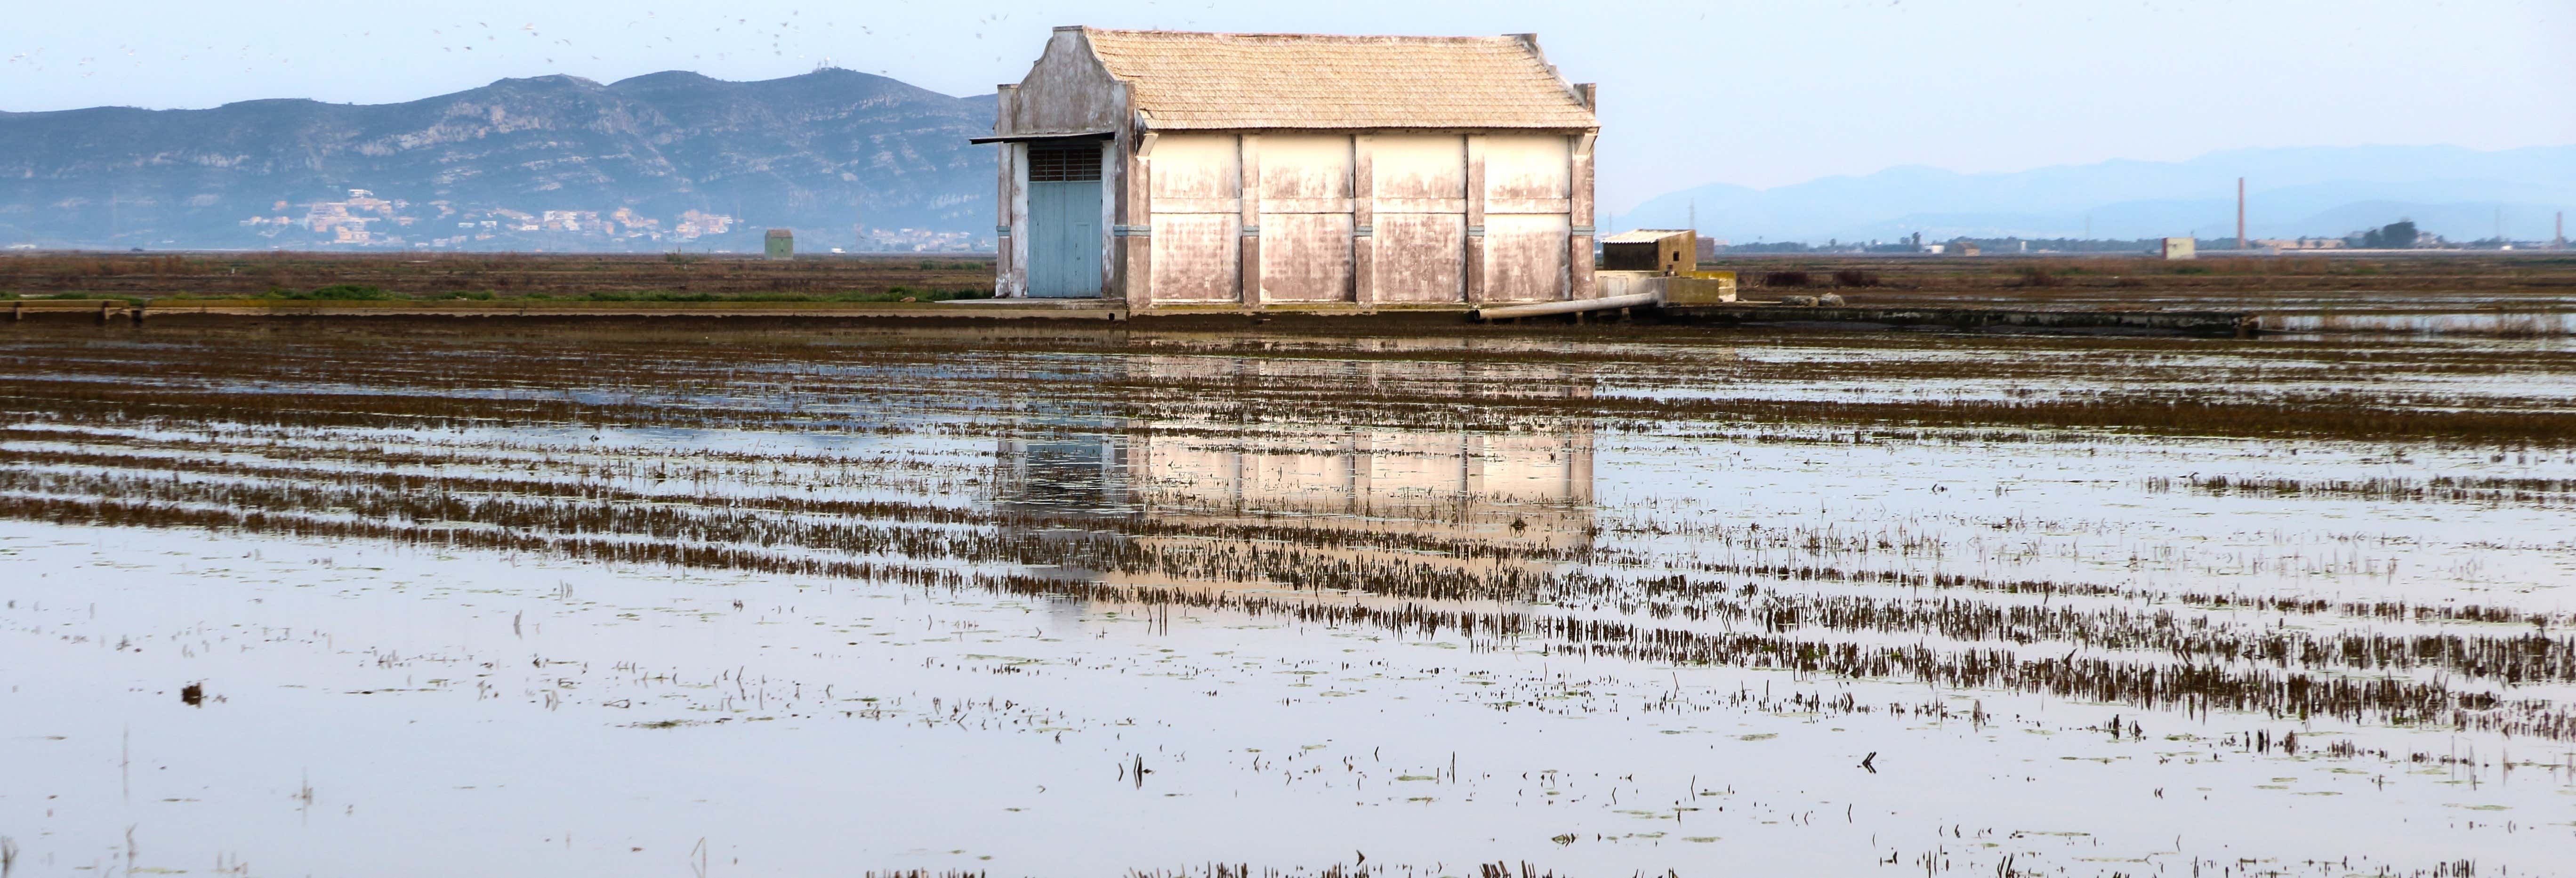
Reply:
x=1255, y=170
x=780, y=244
x=2179, y=248
x=1671, y=251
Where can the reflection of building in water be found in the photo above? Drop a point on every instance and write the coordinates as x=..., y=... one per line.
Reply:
x=1070, y=463
x=1062, y=474
x=1442, y=476
x=1263, y=479
x=1394, y=493
x=1371, y=473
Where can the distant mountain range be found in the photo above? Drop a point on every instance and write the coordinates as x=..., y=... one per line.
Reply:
x=2308, y=191
x=557, y=162
x=678, y=160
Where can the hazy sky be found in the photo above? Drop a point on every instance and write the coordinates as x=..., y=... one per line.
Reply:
x=1756, y=93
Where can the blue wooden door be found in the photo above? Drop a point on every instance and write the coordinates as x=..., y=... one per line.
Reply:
x=1064, y=212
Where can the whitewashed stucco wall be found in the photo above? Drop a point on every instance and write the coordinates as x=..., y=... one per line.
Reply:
x=1375, y=218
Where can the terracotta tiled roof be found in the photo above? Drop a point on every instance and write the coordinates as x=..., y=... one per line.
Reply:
x=1204, y=80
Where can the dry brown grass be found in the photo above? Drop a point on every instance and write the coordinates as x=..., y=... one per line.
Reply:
x=2221, y=282
x=252, y=275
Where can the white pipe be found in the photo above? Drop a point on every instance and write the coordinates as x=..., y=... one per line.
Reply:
x=1638, y=300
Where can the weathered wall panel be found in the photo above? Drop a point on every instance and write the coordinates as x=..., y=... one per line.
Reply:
x=1304, y=166
x=1190, y=168
x=1525, y=257
x=1419, y=257
x=1305, y=257
x=1527, y=167
x=1418, y=197
x=1195, y=181
x=1305, y=215
x=1194, y=255
x=1528, y=184
x=1418, y=166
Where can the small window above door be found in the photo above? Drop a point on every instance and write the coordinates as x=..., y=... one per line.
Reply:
x=1064, y=164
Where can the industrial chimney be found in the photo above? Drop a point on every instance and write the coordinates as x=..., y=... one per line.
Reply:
x=2240, y=213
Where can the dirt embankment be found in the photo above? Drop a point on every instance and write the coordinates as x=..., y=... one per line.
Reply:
x=479, y=276
x=2226, y=282
x=2443, y=281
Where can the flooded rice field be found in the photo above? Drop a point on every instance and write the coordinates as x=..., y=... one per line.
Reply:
x=701, y=599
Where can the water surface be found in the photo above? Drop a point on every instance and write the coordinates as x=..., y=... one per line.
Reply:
x=748, y=601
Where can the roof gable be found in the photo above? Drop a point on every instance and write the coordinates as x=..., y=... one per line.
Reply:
x=1187, y=80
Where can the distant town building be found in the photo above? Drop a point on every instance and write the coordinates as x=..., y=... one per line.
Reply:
x=365, y=220
x=781, y=244
x=2178, y=248
x=1964, y=248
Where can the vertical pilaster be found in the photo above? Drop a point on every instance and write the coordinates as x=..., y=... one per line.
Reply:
x=1249, y=276
x=1120, y=173
x=1580, y=282
x=1003, y=235
x=1016, y=283
x=1363, y=221
x=1005, y=189
x=1113, y=206
x=1475, y=256
x=1135, y=234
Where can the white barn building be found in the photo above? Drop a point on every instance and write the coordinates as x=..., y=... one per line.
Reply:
x=1173, y=169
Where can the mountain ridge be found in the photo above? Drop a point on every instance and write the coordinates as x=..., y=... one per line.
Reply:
x=2292, y=192
x=678, y=159
x=820, y=153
